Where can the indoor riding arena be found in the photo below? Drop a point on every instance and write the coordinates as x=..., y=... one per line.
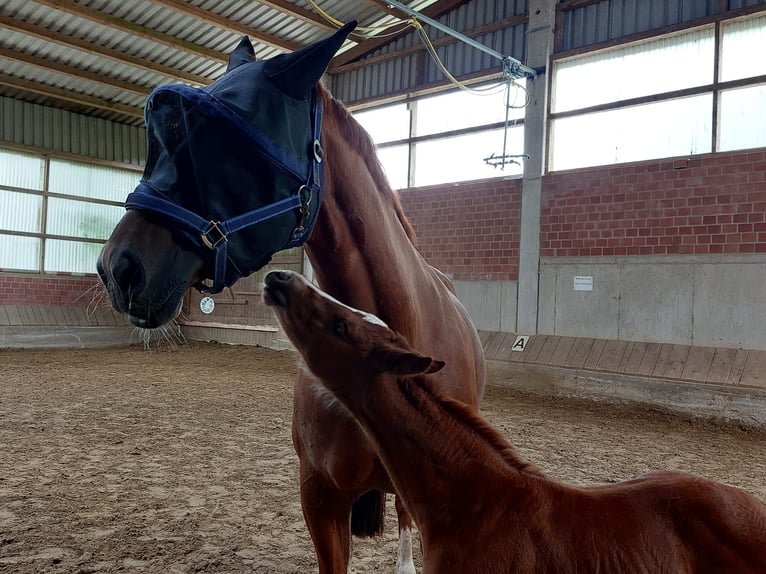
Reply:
x=587, y=176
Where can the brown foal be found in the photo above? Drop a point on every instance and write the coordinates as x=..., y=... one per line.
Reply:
x=479, y=507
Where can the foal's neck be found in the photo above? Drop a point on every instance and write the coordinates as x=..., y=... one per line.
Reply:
x=418, y=434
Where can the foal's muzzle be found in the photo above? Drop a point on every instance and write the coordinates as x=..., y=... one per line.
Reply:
x=277, y=285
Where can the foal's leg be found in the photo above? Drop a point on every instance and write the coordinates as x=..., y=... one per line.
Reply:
x=404, y=561
x=327, y=512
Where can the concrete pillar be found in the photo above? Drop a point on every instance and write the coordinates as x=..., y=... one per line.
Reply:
x=540, y=30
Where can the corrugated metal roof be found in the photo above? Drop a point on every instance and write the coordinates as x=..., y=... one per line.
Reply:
x=101, y=57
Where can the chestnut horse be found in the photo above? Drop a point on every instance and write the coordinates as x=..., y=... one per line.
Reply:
x=237, y=171
x=478, y=505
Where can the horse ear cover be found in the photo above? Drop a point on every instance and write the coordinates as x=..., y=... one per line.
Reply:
x=297, y=73
x=242, y=54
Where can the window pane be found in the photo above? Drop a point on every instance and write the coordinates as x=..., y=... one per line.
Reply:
x=71, y=256
x=672, y=63
x=395, y=161
x=462, y=158
x=742, y=39
x=19, y=253
x=661, y=129
x=742, y=118
x=20, y=211
x=389, y=123
x=21, y=170
x=81, y=219
x=460, y=109
x=91, y=181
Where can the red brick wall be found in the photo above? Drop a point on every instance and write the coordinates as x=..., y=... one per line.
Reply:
x=470, y=230
x=704, y=204
x=53, y=290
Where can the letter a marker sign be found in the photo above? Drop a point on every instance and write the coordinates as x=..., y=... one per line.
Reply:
x=521, y=343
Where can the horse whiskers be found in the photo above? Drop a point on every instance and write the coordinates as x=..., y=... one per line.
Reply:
x=94, y=291
x=99, y=299
x=168, y=335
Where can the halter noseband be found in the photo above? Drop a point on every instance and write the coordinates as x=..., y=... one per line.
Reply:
x=214, y=235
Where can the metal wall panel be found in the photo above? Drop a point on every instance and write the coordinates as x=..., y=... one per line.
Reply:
x=416, y=71
x=614, y=19
x=56, y=130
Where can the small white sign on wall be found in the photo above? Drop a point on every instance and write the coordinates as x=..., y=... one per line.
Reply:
x=583, y=283
x=521, y=343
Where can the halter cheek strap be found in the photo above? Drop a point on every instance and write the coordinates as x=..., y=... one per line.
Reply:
x=214, y=235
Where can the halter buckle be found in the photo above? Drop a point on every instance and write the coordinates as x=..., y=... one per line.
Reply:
x=304, y=209
x=219, y=235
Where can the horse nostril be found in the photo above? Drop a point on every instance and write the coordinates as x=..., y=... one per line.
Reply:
x=281, y=276
x=128, y=273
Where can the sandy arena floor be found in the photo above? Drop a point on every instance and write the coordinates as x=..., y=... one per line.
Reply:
x=180, y=460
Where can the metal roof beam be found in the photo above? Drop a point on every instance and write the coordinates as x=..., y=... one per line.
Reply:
x=511, y=66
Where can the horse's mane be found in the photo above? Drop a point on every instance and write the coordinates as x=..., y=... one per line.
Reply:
x=464, y=417
x=359, y=140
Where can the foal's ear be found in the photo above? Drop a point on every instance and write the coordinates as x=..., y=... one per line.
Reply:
x=401, y=362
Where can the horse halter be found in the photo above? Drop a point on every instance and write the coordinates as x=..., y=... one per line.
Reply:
x=174, y=107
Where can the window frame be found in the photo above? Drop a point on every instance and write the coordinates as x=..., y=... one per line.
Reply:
x=412, y=102
x=716, y=87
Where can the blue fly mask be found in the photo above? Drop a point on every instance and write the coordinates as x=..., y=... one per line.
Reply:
x=236, y=167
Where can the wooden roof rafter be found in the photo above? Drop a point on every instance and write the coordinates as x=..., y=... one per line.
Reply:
x=132, y=28
x=46, y=35
x=228, y=24
x=69, y=96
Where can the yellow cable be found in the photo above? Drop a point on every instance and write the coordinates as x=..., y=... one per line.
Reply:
x=415, y=23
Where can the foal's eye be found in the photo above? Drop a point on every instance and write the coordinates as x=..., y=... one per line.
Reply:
x=340, y=328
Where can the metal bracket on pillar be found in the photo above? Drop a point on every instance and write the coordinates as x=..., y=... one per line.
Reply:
x=512, y=68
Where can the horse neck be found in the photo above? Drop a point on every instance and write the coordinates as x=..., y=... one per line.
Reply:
x=419, y=434
x=361, y=248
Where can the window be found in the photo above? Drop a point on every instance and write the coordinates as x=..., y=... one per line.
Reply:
x=461, y=158
x=387, y=123
x=742, y=110
x=664, y=65
x=741, y=39
x=742, y=118
x=656, y=98
x=458, y=109
x=62, y=226
x=447, y=137
x=663, y=129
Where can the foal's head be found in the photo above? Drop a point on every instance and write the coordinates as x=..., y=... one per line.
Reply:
x=340, y=344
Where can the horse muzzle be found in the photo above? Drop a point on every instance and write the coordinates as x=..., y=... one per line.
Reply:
x=277, y=287
x=131, y=293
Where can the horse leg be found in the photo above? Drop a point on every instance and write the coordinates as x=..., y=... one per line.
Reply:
x=327, y=513
x=404, y=561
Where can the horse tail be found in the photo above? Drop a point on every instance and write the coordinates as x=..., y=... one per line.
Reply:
x=367, y=514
